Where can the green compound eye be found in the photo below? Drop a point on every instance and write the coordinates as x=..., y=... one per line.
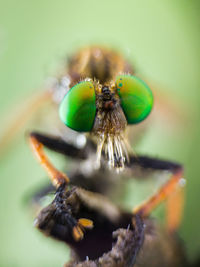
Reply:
x=136, y=98
x=77, y=109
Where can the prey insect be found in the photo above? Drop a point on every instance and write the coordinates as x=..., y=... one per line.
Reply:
x=103, y=98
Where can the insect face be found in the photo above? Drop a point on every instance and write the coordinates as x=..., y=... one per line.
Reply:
x=103, y=104
x=104, y=110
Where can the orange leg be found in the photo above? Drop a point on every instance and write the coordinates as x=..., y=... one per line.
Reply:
x=21, y=116
x=169, y=108
x=174, y=209
x=57, y=177
x=172, y=191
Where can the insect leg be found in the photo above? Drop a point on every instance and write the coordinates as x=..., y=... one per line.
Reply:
x=171, y=191
x=61, y=146
x=21, y=117
x=57, y=177
x=169, y=108
x=59, y=180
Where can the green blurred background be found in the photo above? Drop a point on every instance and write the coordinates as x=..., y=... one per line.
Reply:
x=160, y=37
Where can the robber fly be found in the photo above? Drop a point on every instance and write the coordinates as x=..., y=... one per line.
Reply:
x=87, y=63
x=102, y=99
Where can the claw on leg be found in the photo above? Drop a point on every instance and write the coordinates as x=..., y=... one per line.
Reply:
x=77, y=233
x=86, y=223
x=78, y=230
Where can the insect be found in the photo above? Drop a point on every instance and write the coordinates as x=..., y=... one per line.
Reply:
x=41, y=107
x=103, y=98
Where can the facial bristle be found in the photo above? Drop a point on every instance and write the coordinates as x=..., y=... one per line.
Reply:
x=115, y=149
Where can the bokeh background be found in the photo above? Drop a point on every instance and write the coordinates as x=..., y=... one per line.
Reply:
x=160, y=37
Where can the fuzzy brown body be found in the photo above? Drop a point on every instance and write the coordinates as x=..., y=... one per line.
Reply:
x=98, y=63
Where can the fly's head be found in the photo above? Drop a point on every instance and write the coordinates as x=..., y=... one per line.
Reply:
x=105, y=110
